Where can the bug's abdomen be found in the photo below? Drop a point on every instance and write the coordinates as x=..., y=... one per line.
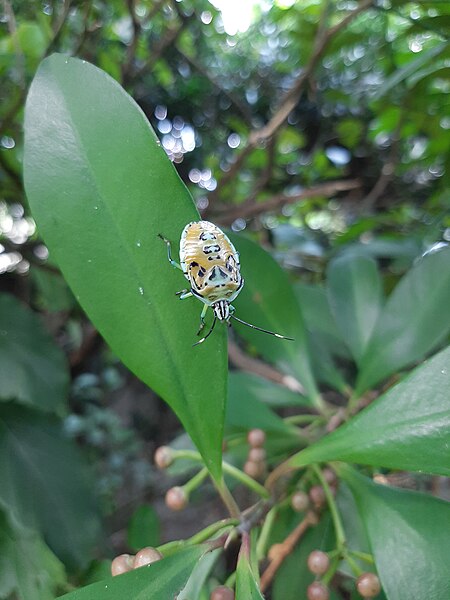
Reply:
x=210, y=262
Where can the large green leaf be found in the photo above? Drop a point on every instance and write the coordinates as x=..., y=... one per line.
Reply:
x=406, y=428
x=409, y=536
x=415, y=319
x=101, y=189
x=44, y=484
x=33, y=369
x=268, y=300
x=27, y=566
x=162, y=579
x=355, y=296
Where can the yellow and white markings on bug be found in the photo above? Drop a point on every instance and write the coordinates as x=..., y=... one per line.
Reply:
x=210, y=263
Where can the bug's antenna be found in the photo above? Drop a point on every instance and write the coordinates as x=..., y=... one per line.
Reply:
x=283, y=337
x=207, y=335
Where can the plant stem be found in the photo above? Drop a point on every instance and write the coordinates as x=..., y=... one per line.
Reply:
x=261, y=545
x=227, y=498
x=300, y=419
x=246, y=480
x=338, y=527
x=197, y=480
x=368, y=558
x=202, y=536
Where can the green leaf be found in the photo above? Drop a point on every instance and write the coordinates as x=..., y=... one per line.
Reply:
x=101, y=189
x=294, y=576
x=199, y=575
x=53, y=293
x=143, y=528
x=410, y=68
x=44, y=484
x=247, y=587
x=242, y=384
x=408, y=534
x=355, y=296
x=27, y=566
x=414, y=320
x=245, y=411
x=268, y=300
x=408, y=427
x=162, y=579
x=33, y=370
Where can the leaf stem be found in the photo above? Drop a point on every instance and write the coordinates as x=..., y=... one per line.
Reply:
x=197, y=480
x=338, y=527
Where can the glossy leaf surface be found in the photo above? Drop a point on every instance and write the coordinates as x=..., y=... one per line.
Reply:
x=268, y=300
x=414, y=320
x=408, y=427
x=408, y=534
x=162, y=579
x=101, y=189
x=32, y=451
x=355, y=296
x=33, y=369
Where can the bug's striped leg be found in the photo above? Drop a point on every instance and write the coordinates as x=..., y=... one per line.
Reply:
x=184, y=294
x=202, y=319
x=169, y=252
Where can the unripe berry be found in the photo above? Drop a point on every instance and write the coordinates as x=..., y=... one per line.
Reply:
x=176, y=498
x=222, y=593
x=254, y=469
x=256, y=454
x=317, y=591
x=330, y=476
x=318, y=562
x=299, y=501
x=368, y=585
x=121, y=564
x=317, y=496
x=163, y=457
x=146, y=556
x=256, y=438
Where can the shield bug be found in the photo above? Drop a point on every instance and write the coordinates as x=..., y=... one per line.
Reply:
x=210, y=263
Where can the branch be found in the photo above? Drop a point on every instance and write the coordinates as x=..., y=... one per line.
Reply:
x=253, y=208
x=260, y=136
x=279, y=552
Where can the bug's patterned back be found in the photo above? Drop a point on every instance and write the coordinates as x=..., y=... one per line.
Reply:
x=210, y=262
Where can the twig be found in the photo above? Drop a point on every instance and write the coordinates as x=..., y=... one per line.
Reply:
x=252, y=208
x=279, y=552
x=252, y=365
x=260, y=136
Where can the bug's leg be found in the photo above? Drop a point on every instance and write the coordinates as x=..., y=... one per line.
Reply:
x=169, y=252
x=232, y=309
x=184, y=294
x=202, y=319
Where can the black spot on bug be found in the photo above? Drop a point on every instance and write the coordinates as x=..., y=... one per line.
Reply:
x=193, y=264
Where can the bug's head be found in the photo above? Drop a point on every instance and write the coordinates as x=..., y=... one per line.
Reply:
x=221, y=309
